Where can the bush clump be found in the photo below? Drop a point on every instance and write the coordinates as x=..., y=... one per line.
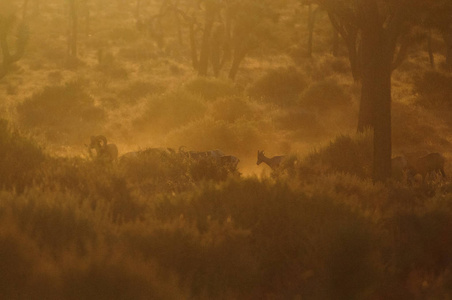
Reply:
x=279, y=247
x=62, y=111
x=279, y=86
x=231, y=109
x=346, y=154
x=210, y=88
x=171, y=110
x=434, y=89
x=324, y=96
x=139, y=89
x=300, y=124
x=19, y=156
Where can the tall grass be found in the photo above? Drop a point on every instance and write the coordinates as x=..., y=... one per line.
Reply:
x=19, y=156
x=346, y=154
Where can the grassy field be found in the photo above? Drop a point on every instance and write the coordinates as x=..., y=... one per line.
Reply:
x=159, y=225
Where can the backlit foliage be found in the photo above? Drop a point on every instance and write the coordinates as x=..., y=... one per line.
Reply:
x=163, y=221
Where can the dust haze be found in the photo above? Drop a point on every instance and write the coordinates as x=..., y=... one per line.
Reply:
x=224, y=149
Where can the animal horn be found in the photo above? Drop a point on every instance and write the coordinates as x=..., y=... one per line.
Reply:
x=103, y=139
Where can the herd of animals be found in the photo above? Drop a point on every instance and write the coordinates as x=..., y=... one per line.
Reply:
x=411, y=166
x=100, y=150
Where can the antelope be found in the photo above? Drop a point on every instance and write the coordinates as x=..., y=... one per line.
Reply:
x=104, y=151
x=428, y=164
x=274, y=162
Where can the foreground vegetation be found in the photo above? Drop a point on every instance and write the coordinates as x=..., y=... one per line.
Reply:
x=73, y=228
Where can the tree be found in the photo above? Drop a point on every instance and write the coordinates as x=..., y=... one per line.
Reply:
x=72, y=28
x=227, y=32
x=373, y=28
x=11, y=27
x=220, y=32
x=313, y=10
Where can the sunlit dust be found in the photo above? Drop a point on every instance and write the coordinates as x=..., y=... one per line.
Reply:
x=224, y=149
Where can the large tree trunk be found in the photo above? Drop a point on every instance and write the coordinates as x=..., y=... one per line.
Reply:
x=378, y=47
x=382, y=120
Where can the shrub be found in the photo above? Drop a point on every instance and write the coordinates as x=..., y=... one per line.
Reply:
x=97, y=183
x=353, y=155
x=57, y=221
x=19, y=157
x=231, y=109
x=325, y=96
x=414, y=127
x=210, y=88
x=144, y=51
x=139, y=89
x=153, y=172
x=434, y=88
x=54, y=246
x=280, y=86
x=62, y=111
x=170, y=110
x=300, y=124
x=22, y=276
x=109, y=66
x=294, y=245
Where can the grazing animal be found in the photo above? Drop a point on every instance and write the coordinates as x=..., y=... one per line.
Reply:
x=229, y=161
x=104, y=151
x=217, y=156
x=147, y=152
x=427, y=165
x=274, y=162
x=200, y=155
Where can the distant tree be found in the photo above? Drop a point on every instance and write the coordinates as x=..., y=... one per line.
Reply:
x=313, y=10
x=220, y=32
x=72, y=28
x=251, y=23
x=154, y=24
x=78, y=16
x=12, y=28
x=373, y=29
